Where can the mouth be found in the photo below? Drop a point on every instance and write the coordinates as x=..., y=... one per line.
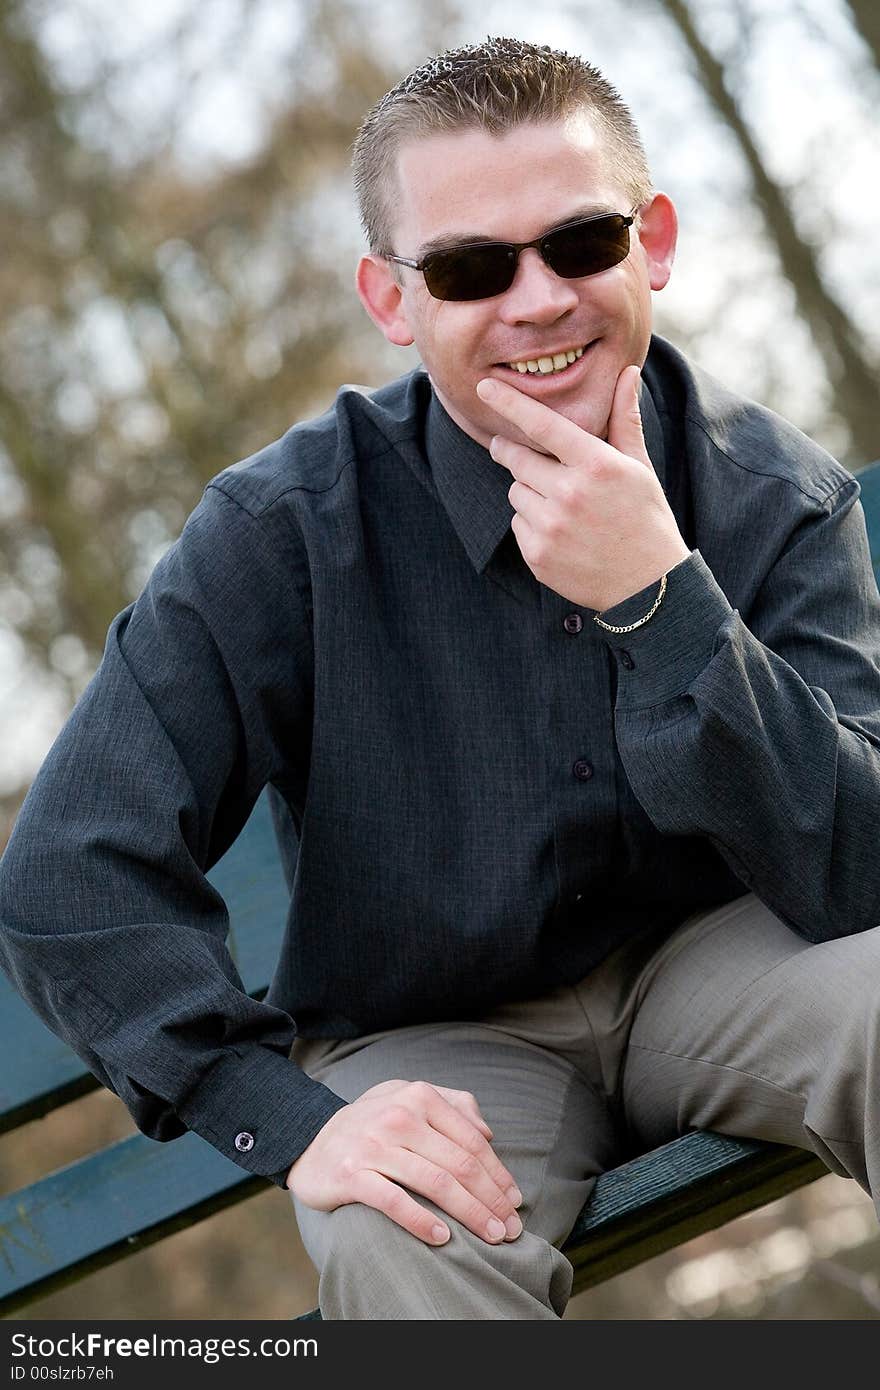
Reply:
x=538, y=375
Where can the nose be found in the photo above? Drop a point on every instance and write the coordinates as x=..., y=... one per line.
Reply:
x=538, y=294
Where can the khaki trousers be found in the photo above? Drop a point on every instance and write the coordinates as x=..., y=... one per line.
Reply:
x=731, y=1023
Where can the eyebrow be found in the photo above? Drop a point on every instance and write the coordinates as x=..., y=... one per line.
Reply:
x=451, y=241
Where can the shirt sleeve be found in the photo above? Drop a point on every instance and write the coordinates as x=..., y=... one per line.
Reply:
x=765, y=737
x=108, y=924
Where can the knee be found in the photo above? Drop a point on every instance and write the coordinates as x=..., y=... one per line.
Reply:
x=371, y=1267
x=363, y=1237
x=842, y=998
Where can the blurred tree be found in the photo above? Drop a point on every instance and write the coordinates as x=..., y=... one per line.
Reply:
x=158, y=321
x=156, y=325
x=866, y=18
x=850, y=367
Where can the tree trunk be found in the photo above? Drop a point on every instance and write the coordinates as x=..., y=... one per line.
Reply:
x=865, y=16
x=852, y=376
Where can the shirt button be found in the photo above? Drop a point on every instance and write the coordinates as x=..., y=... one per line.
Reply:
x=583, y=770
x=572, y=622
x=244, y=1142
x=626, y=660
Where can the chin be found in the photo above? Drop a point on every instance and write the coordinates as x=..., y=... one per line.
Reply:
x=593, y=421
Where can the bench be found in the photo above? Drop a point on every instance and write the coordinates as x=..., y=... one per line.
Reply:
x=133, y=1193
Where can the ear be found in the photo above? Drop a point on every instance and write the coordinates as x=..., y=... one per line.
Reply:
x=382, y=298
x=658, y=234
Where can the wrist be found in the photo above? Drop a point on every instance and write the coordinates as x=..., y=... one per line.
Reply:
x=659, y=660
x=642, y=585
x=639, y=622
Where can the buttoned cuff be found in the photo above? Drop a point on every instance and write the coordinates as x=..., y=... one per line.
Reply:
x=259, y=1109
x=661, y=659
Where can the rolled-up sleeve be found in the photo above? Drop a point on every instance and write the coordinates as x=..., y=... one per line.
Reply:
x=764, y=735
x=108, y=924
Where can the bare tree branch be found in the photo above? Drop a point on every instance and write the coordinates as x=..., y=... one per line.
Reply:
x=852, y=374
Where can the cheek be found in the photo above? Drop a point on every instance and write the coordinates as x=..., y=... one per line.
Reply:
x=462, y=345
x=624, y=294
x=639, y=296
x=427, y=319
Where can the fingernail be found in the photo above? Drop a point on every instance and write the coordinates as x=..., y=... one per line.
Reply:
x=495, y=1230
x=485, y=388
x=439, y=1233
x=514, y=1196
x=513, y=1226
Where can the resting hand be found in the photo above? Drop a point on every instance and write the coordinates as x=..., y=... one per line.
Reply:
x=409, y=1134
x=592, y=520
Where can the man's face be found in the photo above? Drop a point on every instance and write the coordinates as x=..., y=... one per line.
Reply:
x=469, y=185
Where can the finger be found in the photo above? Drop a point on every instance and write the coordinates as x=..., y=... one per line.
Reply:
x=447, y=1120
x=429, y=1103
x=428, y=1179
x=468, y=1172
x=536, y=470
x=526, y=538
x=462, y=1100
x=625, y=431
x=467, y=1104
x=546, y=428
x=527, y=504
x=376, y=1191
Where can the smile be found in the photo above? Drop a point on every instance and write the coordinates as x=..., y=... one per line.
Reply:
x=557, y=363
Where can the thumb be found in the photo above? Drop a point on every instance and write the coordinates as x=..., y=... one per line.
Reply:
x=625, y=421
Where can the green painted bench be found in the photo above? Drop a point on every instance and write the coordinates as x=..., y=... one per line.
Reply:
x=136, y=1191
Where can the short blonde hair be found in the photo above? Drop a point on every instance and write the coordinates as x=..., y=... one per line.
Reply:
x=495, y=86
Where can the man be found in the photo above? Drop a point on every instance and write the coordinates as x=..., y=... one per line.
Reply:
x=564, y=679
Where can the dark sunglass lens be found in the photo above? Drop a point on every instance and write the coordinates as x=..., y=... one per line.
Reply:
x=586, y=248
x=474, y=272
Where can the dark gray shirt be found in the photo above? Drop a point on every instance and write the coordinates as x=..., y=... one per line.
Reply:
x=484, y=791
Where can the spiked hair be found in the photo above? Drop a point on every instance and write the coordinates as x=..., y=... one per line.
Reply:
x=492, y=86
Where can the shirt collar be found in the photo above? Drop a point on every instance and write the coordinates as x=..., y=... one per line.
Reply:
x=473, y=487
x=650, y=407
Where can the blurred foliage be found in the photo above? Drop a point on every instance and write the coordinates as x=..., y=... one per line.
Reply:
x=162, y=316
x=847, y=360
x=158, y=325
x=865, y=16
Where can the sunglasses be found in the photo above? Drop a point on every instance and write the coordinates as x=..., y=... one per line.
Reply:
x=480, y=270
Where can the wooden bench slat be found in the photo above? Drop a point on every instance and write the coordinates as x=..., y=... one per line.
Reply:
x=107, y=1206
x=663, y=1198
x=688, y=1186
x=133, y=1193
x=869, y=481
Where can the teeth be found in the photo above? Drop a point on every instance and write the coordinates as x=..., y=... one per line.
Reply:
x=546, y=365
